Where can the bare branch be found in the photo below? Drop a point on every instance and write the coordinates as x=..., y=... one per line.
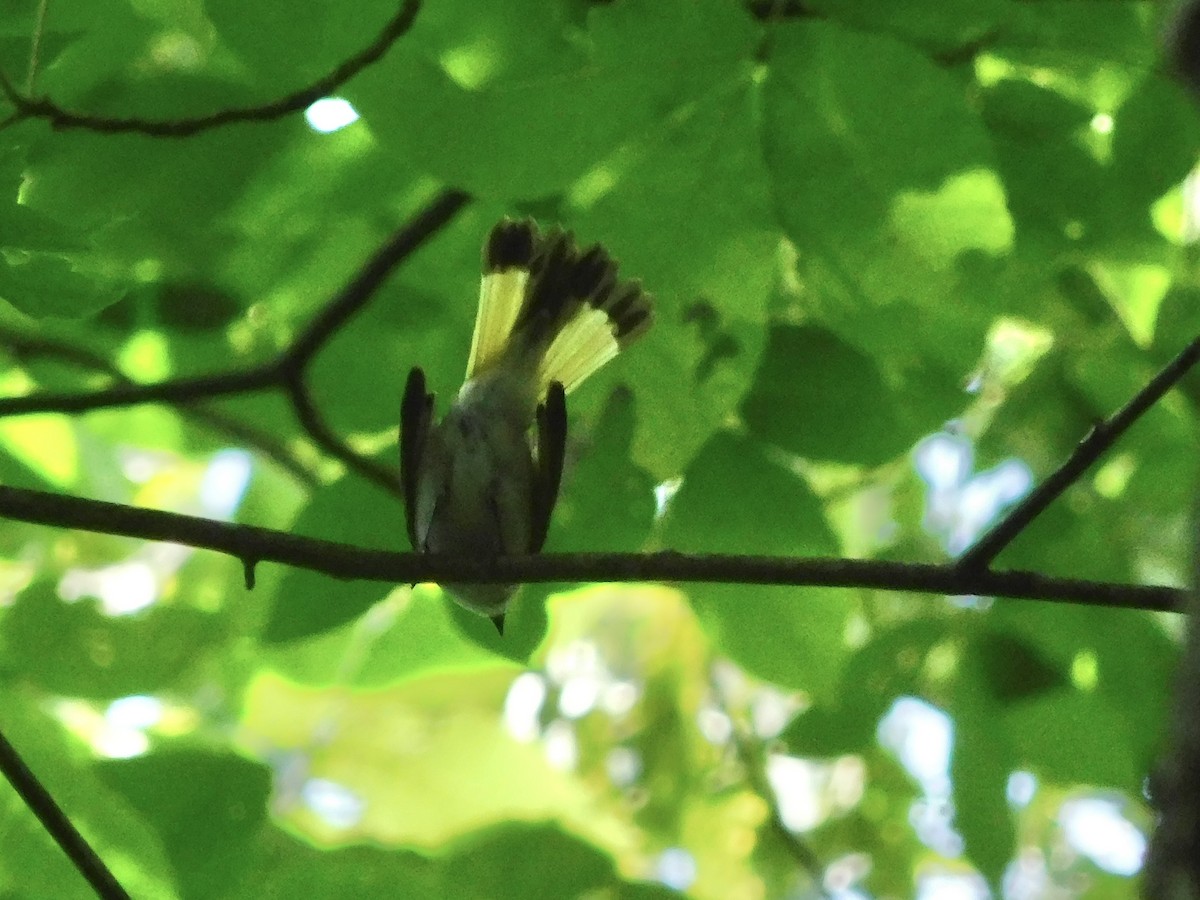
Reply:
x=24, y=345
x=252, y=544
x=29, y=107
x=177, y=390
x=1098, y=440
x=59, y=826
x=323, y=436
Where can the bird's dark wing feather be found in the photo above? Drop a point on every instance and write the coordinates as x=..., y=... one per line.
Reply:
x=551, y=448
x=415, y=413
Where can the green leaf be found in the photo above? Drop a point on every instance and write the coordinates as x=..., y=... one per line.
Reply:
x=75, y=650
x=1123, y=656
x=32, y=865
x=195, y=307
x=352, y=511
x=889, y=666
x=206, y=806
x=937, y=24
x=688, y=212
x=807, y=379
x=1030, y=111
x=50, y=285
x=981, y=763
x=1054, y=736
x=1013, y=669
x=518, y=860
x=1154, y=139
x=841, y=113
x=150, y=199
x=288, y=43
x=980, y=766
x=410, y=634
x=547, y=106
x=606, y=503
x=733, y=500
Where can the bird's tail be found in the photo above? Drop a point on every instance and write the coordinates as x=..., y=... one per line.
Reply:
x=544, y=299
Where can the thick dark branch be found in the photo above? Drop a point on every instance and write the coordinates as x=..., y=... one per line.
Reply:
x=59, y=826
x=1098, y=440
x=58, y=117
x=252, y=545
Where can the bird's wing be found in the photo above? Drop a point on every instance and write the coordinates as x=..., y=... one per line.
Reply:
x=551, y=448
x=416, y=411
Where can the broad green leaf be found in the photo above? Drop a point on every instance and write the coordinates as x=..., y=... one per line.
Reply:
x=1124, y=658
x=508, y=861
x=129, y=191
x=981, y=763
x=980, y=766
x=411, y=632
x=806, y=381
x=1093, y=51
x=887, y=667
x=735, y=499
x=32, y=865
x=941, y=26
x=687, y=212
x=1155, y=135
x=286, y=44
x=51, y=285
x=206, y=807
x=1054, y=736
x=886, y=224
x=1013, y=669
x=606, y=503
x=94, y=655
x=1025, y=109
x=547, y=102
x=353, y=511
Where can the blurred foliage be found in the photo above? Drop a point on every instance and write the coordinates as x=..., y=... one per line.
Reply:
x=864, y=222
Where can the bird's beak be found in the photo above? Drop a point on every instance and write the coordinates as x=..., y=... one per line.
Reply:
x=498, y=621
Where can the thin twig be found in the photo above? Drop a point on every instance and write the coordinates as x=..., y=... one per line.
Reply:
x=252, y=544
x=176, y=390
x=35, y=45
x=1098, y=440
x=59, y=826
x=323, y=436
x=29, y=107
x=752, y=759
x=350, y=299
x=286, y=372
x=25, y=345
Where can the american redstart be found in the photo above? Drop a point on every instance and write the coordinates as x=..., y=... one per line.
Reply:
x=483, y=481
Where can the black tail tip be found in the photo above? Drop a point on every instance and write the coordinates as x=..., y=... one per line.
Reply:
x=510, y=245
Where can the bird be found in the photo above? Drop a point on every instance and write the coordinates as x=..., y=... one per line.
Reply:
x=482, y=482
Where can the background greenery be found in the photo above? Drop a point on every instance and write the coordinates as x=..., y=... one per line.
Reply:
x=865, y=223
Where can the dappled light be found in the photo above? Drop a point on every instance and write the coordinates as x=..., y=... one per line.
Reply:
x=859, y=574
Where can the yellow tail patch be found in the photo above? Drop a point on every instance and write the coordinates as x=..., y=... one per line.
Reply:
x=500, y=297
x=584, y=344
